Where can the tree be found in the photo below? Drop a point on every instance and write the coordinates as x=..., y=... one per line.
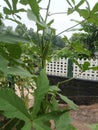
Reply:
x=21, y=30
x=91, y=38
x=88, y=38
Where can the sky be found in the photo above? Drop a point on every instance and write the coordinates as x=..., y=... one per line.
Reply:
x=61, y=21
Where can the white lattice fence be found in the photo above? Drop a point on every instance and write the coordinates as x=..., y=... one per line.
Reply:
x=89, y=74
x=58, y=68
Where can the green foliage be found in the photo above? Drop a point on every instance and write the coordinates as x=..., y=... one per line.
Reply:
x=69, y=102
x=41, y=91
x=7, y=38
x=12, y=8
x=88, y=39
x=13, y=107
x=5, y=69
x=64, y=122
x=39, y=116
x=88, y=14
x=94, y=127
x=85, y=66
x=18, y=59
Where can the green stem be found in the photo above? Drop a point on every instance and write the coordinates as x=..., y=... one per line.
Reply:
x=57, y=13
x=47, y=11
x=65, y=81
x=68, y=29
x=43, y=43
x=7, y=123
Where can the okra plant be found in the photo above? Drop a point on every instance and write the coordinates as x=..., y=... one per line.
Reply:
x=45, y=111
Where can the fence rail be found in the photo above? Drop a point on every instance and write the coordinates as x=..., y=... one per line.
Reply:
x=61, y=67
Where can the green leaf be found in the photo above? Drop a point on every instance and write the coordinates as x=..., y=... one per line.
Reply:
x=80, y=49
x=77, y=63
x=88, y=6
x=3, y=63
x=39, y=125
x=43, y=121
x=79, y=4
x=27, y=126
x=14, y=50
x=70, y=11
x=14, y=3
x=8, y=3
x=54, y=104
x=21, y=10
x=93, y=19
x=41, y=91
x=33, y=17
x=13, y=107
x=9, y=38
x=94, y=15
x=66, y=40
x=39, y=1
x=84, y=13
x=54, y=89
x=94, y=127
x=94, y=68
x=17, y=70
x=64, y=122
x=69, y=102
x=73, y=1
x=34, y=7
x=7, y=11
x=13, y=70
x=95, y=9
x=24, y=2
x=85, y=66
x=49, y=24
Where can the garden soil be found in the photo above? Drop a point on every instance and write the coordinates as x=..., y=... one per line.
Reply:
x=85, y=116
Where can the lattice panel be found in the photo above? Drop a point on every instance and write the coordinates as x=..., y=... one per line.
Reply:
x=58, y=68
x=89, y=74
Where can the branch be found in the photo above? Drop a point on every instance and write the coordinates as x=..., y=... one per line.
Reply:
x=47, y=10
x=65, y=81
x=57, y=13
x=68, y=29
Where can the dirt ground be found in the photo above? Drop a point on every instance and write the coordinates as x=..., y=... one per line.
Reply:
x=84, y=116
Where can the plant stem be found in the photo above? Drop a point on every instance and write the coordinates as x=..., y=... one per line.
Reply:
x=7, y=124
x=43, y=43
x=57, y=13
x=68, y=29
x=47, y=10
x=65, y=81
